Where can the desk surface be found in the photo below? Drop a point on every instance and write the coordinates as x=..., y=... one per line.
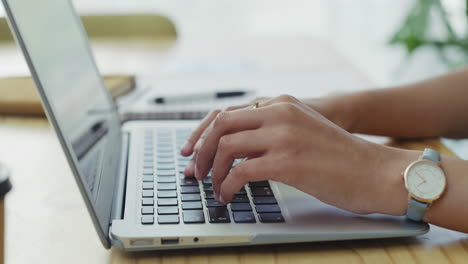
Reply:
x=47, y=221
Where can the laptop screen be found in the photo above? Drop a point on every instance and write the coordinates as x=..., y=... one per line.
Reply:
x=56, y=47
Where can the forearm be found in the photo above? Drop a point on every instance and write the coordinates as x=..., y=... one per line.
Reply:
x=450, y=211
x=432, y=108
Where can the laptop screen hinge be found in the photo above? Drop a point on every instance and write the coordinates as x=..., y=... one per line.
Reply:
x=121, y=182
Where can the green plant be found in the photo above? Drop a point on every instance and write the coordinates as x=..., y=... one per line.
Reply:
x=415, y=33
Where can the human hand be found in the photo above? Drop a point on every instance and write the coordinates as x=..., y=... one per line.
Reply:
x=196, y=137
x=327, y=106
x=285, y=140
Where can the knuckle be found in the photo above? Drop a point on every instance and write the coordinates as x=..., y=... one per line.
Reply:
x=225, y=143
x=242, y=172
x=287, y=98
x=231, y=108
x=214, y=112
x=291, y=111
x=221, y=119
x=289, y=108
x=287, y=111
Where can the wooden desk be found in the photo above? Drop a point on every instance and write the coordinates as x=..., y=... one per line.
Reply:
x=47, y=221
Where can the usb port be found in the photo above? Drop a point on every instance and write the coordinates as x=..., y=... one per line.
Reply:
x=170, y=241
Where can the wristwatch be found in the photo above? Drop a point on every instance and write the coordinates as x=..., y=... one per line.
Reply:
x=425, y=182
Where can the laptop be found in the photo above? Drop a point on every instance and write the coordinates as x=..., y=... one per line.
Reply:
x=130, y=174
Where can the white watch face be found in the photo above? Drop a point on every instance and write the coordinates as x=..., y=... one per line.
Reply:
x=425, y=180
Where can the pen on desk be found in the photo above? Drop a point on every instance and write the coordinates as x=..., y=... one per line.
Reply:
x=198, y=97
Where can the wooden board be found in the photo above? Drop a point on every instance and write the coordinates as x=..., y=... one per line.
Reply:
x=19, y=95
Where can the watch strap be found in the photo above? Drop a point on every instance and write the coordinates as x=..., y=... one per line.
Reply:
x=416, y=210
x=430, y=154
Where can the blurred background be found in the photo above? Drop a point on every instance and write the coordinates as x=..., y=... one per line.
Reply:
x=359, y=31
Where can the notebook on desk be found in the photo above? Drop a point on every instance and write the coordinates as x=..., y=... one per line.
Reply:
x=131, y=175
x=19, y=94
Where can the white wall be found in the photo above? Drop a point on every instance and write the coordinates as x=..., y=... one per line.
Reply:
x=359, y=29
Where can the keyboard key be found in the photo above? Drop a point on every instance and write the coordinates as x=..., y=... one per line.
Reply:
x=165, y=167
x=148, y=165
x=167, y=201
x=166, y=179
x=218, y=215
x=184, y=159
x=186, y=181
x=207, y=180
x=167, y=194
x=241, y=207
x=148, y=171
x=207, y=188
x=192, y=205
x=147, y=194
x=148, y=178
x=147, y=210
x=190, y=197
x=259, y=184
x=168, y=219
x=264, y=200
x=147, y=219
x=189, y=189
x=165, y=161
x=261, y=191
x=147, y=201
x=214, y=203
x=268, y=208
x=194, y=217
x=165, y=145
x=166, y=172
x=271, y=218
x=243, y=217
x=241, y=191
x=209, y=195
x=183, y=163
x=148, y=186
x=165, y=150
x=166, y=186
x=240, y=199
x=164, y=210
x=165, y=156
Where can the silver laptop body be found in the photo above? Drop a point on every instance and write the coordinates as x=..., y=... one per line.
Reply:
x=120, y=167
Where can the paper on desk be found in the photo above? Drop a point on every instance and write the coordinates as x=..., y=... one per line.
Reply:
x=304, y=82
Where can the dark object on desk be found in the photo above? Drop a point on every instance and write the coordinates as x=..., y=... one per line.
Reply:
x=198, y=97
x=19, y=94
x=5, y=187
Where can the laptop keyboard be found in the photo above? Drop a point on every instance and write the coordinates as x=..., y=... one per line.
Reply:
x=168, y=197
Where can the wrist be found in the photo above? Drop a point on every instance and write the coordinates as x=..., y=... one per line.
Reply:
x=342, y=110
x=390, y=196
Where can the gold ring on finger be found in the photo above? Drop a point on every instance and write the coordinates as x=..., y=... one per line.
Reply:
x=255, y=105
